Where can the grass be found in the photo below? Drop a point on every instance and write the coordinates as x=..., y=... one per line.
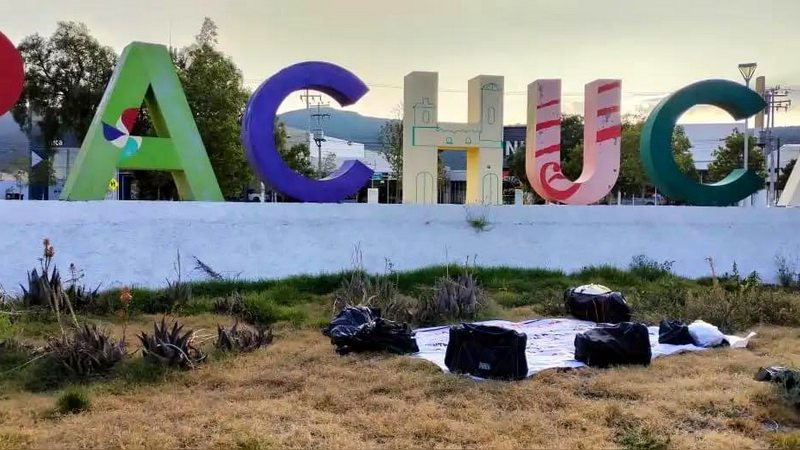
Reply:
x=74, y=399
x=299, y=393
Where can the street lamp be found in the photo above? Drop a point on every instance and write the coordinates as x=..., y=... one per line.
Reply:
x=747, y=70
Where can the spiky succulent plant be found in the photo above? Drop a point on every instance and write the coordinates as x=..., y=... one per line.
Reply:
x=243, y=339
x=171, y=347
x=87, y=351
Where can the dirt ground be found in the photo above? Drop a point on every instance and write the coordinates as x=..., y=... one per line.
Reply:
x=300, y=393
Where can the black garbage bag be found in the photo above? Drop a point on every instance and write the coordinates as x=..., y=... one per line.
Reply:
x=613, y=345
x=487, y=352
x=361, y=329
x=597, y=303
x=788, y=381
x=674, y=332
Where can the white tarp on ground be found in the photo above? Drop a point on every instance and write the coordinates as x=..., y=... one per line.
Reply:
x=550, y=345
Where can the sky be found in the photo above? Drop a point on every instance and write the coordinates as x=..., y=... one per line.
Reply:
x=654, y=46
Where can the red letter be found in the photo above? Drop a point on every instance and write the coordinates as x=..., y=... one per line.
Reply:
x=12, y=75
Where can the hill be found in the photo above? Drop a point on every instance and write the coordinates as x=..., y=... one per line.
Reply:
x=347, y=125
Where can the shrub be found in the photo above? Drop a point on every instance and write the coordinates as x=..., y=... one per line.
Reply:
x=787, y=275
x=231, y=304
x=260, y=309
x=478, y=222
x=171, y=347
x=178, y=292
x=452, y=299
x=243, y=339
x=73, y=400
x=88, y=351
x=82, y=298
x=650, y=269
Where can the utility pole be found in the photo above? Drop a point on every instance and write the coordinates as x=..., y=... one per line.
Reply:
x=776, y=100
x=319, y=133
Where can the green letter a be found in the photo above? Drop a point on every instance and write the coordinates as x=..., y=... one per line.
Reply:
x=144, y=72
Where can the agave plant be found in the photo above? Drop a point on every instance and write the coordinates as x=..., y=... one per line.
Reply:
x=170, y=346
x=87, y=351
x=237, y=339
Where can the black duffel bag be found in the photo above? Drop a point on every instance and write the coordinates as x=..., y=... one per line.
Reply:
x=674, y=332
x=613, y=345
x=597, y=303
x=487, y=352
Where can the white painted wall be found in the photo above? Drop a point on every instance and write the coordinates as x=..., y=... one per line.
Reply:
x=135, y=242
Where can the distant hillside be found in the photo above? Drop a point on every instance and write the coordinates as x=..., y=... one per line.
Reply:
x=346, y=125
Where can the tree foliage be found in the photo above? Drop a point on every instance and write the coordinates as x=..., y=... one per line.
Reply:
x=390, y=137
x=783, y=178
x=729, y=157
x=65, y=78
x=298, y=156
x=215, y=90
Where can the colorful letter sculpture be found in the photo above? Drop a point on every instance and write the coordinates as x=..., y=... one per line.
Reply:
x=258, y=129
x=145, y=72
x=601, y=151
x=12, y=74
x=656, y=144
x=481, y=138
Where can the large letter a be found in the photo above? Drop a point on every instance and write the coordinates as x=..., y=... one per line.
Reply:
x=144, y=72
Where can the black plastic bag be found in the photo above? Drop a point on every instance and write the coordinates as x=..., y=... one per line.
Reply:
x=674, y=332
x=788, y=380
x=613, y=345
x=585, y=303
x=360, y=329
x=487, y=352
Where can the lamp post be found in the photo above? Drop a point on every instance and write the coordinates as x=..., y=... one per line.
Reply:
x=747, y=70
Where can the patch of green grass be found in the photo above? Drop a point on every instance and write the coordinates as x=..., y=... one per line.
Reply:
x=640, y=438
x=262, y=309
x=74, y=399
x=478, y=223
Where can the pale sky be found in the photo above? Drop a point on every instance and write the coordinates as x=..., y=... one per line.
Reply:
x=654, y=46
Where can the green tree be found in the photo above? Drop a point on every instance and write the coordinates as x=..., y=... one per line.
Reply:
x=65, y=78
x=390, y=137
x=298, y=156
x=215, y=91
x=729, y=157
x=632, y=178
x=783, y=178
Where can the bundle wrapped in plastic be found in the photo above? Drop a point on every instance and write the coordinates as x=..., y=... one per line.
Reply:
x=360, y=329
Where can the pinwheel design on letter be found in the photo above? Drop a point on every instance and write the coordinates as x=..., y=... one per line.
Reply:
x=120, y=135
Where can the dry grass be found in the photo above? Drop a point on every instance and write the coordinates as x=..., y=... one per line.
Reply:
x=299, y=393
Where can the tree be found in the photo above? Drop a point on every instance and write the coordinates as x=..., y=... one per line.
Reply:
x=298, y=156
x=328, y=165
x=783, y=178
x=390, y=137
x=729, y=157
x=632, y=178
x=65, y=78
x=215, y=90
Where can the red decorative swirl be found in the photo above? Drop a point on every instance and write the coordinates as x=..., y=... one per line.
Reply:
x=552, y=192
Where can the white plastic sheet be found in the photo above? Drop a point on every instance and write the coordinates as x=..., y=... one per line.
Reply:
x=551, y=342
